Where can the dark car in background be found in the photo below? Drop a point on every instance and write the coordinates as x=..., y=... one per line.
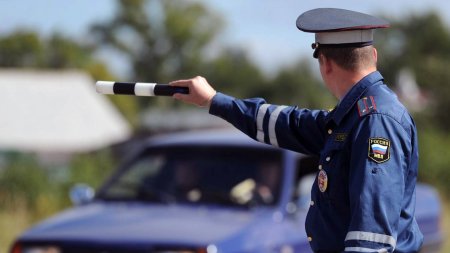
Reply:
x=210, y=191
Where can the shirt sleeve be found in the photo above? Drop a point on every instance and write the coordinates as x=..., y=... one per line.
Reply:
x=379, y=165
x=301, y=130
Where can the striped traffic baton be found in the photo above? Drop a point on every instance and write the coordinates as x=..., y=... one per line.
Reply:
x=138, y=89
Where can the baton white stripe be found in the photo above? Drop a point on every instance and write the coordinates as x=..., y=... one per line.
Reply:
x=360, y=249
x=371, y=237
x=260, y=121
x=104, y=87
x=144, y=89
x=272, y=123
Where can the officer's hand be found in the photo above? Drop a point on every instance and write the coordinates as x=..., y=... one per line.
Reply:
x=200, y=92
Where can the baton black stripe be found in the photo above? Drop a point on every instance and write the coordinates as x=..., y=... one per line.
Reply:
x=124, y=88
x=167, y=90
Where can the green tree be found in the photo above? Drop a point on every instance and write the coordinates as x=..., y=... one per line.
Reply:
x=27, y=49
x=163, y=40
x=297, y=85
x=421, y=43
x=63, y=53
x=21, y=49
x=234, y=73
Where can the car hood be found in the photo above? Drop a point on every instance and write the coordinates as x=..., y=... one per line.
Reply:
x=139, y=223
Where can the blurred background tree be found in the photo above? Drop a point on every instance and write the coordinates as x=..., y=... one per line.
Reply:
x=22, y=49
x=161, y=39
x=421, y=45
x=297, y=85
x=169, y=40
x=164, y=41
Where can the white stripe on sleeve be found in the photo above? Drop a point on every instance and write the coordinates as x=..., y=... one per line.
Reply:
x=260, y=121
x=371, y=237
x=272, y=122
x=360, y=249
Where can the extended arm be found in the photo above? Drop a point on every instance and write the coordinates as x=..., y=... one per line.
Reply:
x=288, y=127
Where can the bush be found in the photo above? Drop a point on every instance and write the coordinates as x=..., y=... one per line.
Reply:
x=434, y=160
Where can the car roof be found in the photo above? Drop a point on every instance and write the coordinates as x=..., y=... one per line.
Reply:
x=220, y=137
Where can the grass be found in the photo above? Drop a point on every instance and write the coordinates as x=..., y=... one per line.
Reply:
x=11, y=225
x=445, y=225
x=17, y=217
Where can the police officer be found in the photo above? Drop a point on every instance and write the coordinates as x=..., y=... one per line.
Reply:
x=363, y=198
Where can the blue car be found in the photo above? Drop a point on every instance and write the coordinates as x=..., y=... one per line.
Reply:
x=209, y=192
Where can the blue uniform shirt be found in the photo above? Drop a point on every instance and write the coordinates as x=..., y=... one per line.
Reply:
x=363, y=198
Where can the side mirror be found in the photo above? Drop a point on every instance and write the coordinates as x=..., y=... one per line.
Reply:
x=81, y=194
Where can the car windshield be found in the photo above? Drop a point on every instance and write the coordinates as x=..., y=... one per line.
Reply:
x=231, y=176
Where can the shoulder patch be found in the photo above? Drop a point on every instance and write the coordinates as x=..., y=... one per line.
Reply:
x=366, y=105
x=379, y=149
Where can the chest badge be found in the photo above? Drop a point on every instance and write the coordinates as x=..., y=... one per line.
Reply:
x=340, y=137
x=379, y=149
x=322, y=180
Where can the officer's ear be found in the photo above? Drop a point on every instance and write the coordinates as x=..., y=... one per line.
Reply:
x=320, y=58
x=375, y=55
x=326, y=64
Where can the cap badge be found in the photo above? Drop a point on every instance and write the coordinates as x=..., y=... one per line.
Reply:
x=322, y=180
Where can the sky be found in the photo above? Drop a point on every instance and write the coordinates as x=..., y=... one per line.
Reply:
x=264, y=28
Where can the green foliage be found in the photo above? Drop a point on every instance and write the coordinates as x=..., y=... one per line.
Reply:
x=91, y=168
x=434, y=159
x=232, y=72
x=23, y=49
x=298, y=86
x=27, y=49
x=31, y=191
x=22, y=180
x=25, y=183
x=427, y=55
x=62, y=53
x=421, y=43
x=163, y=39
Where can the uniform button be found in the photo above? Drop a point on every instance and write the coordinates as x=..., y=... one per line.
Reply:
x=330, y=131
x=309, y=238
x=328, y=159
x=320, y=166
x=311, y=203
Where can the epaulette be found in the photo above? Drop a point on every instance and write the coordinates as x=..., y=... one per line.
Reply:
x=366, y=105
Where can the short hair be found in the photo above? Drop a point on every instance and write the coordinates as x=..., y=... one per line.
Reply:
x=350, y=58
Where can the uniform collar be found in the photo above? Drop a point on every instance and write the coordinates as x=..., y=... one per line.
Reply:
x=352, y=96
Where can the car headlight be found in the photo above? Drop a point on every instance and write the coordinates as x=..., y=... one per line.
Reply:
x=17, y=248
